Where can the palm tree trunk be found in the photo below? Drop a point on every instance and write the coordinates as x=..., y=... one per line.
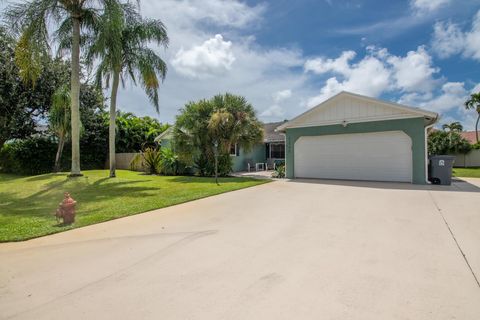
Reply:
x=58, y=157
x=112, y=126
x=75, y=96
x=476, y=126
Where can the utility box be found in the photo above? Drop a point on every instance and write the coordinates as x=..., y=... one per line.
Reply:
x=440, y=169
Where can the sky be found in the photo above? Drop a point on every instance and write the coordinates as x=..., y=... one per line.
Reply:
x=285, y=57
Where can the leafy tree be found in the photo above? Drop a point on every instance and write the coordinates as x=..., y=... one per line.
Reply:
x=441, y=142
x=59, y=120
x=136, y=133
x=224, y=120
x=23, y=106
x=474, y=104
x=121, y=45
x=33, y=19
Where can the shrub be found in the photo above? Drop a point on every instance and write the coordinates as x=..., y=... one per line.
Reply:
x=441, y=142
x=150, y=158
x=279, y=171
x=159, y=161
x=30, y=156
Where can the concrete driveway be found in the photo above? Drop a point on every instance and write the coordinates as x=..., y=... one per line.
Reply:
x=284, y=250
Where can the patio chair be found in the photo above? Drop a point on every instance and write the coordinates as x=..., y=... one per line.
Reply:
x=271, y=165
x=250, y=165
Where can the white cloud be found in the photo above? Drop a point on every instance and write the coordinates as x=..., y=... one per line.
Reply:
x=275, y=111
x=452, y=95
x=376, y=73
x=282, y=95
x=428, y=5
x=213, y=57
x=449, y=39
x=256, y=72
x=339, y=65
x=414, y=72
x=185, y=13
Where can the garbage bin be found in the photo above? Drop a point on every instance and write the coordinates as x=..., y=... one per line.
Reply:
x=440, y=169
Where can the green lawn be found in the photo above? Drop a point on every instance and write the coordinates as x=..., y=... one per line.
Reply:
x=27, y=204
x=467, y=172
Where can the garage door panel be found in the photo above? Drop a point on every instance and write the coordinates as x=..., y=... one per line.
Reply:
x=383, y=156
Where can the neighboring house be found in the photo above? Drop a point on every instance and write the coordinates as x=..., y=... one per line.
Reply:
x=272, y=150
x=354, y=137
x=470, y=136
x=165, y=137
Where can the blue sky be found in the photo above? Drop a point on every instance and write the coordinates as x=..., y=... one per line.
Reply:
x=287, y=56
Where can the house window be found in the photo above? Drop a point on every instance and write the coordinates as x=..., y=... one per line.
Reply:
x=277, y=150
x=234, y=150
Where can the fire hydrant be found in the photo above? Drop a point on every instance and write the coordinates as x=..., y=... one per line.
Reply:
x=66, y=209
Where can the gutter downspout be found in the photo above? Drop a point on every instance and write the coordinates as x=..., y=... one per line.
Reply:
x=426, y=149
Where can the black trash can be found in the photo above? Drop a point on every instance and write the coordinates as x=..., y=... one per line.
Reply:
x=440, y=169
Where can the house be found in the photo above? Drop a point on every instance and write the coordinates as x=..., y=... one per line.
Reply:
x=271, y=150
x=470, y=136
x=354, y=137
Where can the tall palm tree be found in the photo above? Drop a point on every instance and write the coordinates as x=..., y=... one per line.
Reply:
x=120, y=43
x=453, y=127
x=474, y=103
x=59, y=120
x=32, y=19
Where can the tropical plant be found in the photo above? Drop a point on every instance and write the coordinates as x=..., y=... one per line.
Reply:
x=452, y=127
x=120, y=43
x=169, y=161
x=150, y=158
x=279, y=171
x=223, y=121
x=474, y=104
x=59, y=120
x=441, y=142
x=33, y=19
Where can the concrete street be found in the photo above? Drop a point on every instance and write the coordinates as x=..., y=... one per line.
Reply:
x=285, y=250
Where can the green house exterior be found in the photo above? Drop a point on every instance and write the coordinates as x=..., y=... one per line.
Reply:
x=354, y=137
x=413, y=127
x=256, y=155
x=260, y=153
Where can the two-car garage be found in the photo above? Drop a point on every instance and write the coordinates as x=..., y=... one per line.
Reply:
x=381, y=156
x=358, y=138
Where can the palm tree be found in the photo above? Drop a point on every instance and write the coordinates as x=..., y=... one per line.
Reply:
x=120, y=43
x=453, y=127
x=209, y=126
x=32, y=19
x=474, y=103
x=59, y=120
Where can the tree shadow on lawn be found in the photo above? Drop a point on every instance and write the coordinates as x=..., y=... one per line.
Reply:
x=45, y=202
x=211, y=180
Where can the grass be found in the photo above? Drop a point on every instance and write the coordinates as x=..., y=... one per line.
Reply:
x=27, y=204
x=467, y=172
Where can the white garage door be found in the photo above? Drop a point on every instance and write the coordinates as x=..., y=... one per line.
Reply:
x=379, y=156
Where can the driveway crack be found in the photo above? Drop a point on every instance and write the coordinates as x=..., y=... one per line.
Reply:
x=439, y=210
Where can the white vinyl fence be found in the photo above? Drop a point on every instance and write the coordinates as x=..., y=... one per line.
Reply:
x=471, y=159
x=123, y=161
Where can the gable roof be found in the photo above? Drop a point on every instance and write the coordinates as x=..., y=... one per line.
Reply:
x=165, y=135
x=471, y=136
x=357, y=108
x=270, y=134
